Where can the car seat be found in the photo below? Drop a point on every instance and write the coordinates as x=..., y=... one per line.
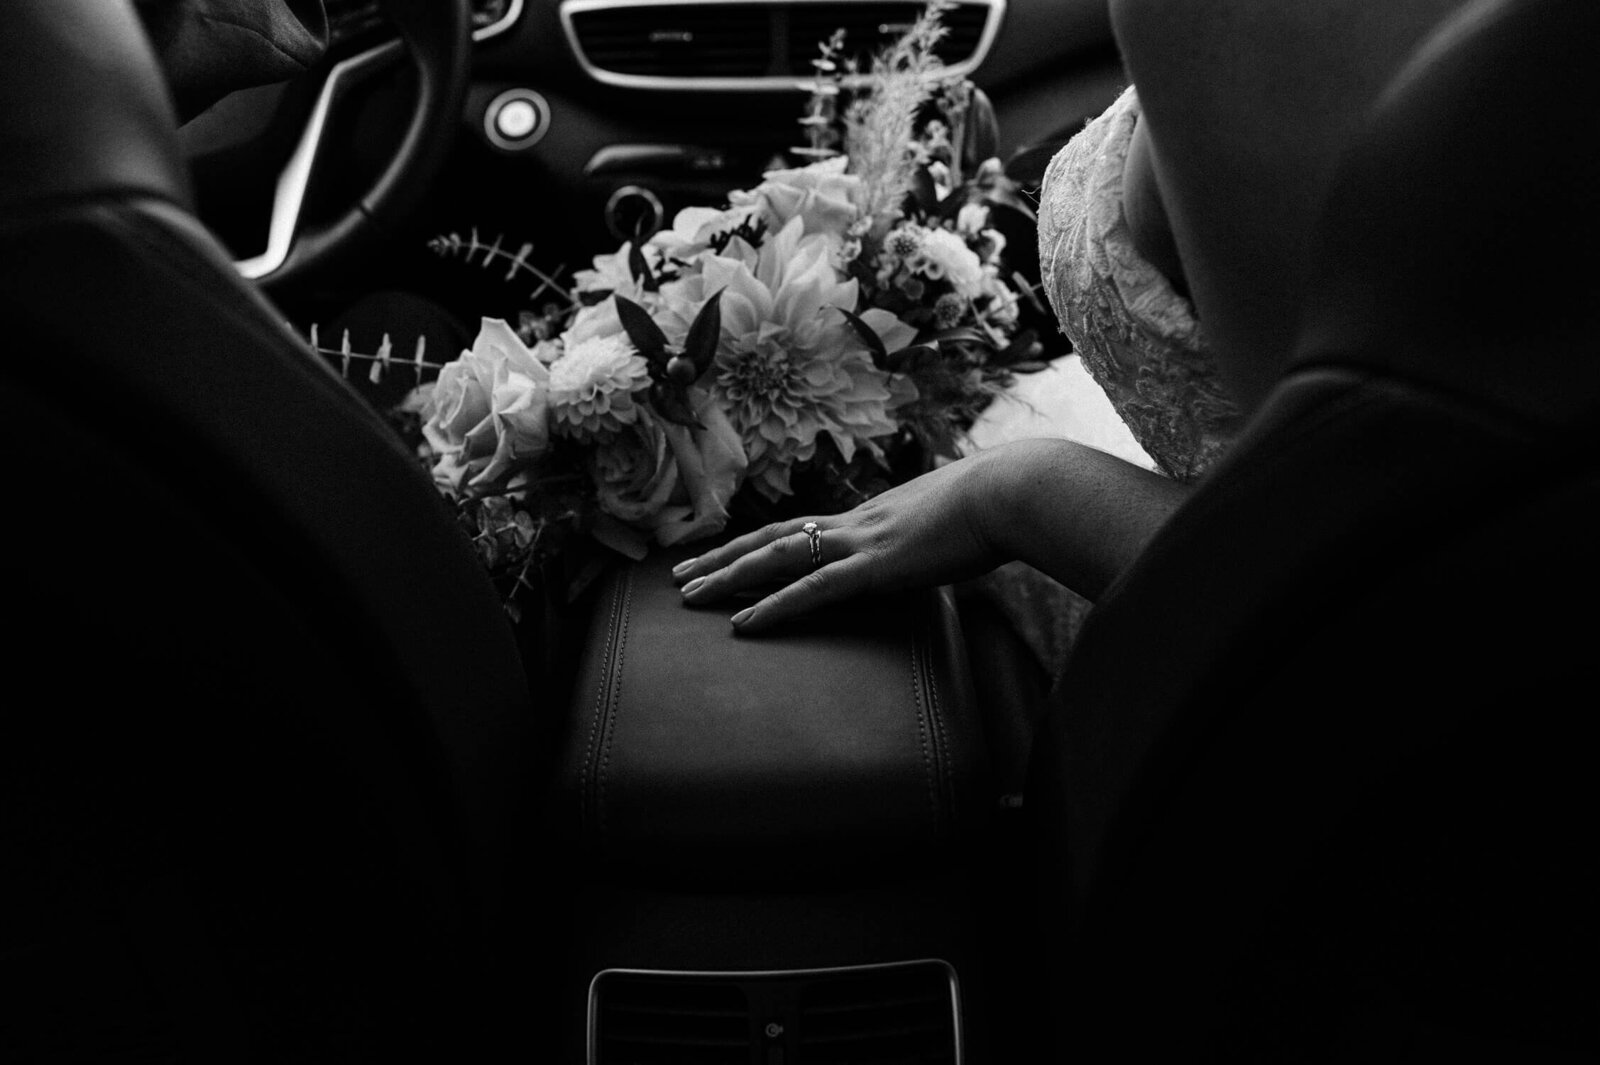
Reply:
x=269, y=749
x=1315, y=787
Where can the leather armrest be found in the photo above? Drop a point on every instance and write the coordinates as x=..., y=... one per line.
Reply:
x=844, y=743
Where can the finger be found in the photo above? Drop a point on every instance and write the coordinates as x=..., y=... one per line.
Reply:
x=841, y=580
x=783, y=560
x=717, y=558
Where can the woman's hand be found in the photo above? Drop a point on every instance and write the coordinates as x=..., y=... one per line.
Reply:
x=1075, y=513
x=927, y=531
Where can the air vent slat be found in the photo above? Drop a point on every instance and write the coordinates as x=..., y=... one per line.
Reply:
x=655, y=1021
x=778, y=40
x=869, y=27
x=875, y=1015
x=880, y=1018
x=672, y=1011
x=884, y=1029
x=620, y=1038
x=673, y=40
x=920, y=1002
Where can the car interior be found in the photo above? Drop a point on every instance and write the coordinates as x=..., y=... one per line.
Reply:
x=282, y=783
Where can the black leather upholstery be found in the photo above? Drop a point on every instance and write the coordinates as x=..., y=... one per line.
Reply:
x=1315, y=789
x=269, y=767
x=86, y=112
x=845, y=748
x=1460, y=247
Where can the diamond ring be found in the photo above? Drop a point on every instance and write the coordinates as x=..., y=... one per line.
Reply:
x=814, y=534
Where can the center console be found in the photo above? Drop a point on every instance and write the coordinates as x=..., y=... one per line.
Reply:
x=774, y=845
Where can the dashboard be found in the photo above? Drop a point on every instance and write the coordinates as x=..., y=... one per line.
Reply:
x=588, y=118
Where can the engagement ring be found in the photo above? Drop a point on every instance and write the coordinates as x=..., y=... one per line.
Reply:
x=814, y=534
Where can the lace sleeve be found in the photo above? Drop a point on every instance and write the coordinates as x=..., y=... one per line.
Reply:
x=1137, y=336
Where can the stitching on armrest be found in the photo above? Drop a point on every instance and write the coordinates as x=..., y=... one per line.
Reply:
x=614, y=703
x=942, y=750
x=922, y=736
x=590, y=795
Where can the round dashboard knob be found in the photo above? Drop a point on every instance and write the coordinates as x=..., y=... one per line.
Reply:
x=634, y=212
x=516, y=119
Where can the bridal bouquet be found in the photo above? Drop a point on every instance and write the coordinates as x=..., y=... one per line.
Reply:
x=816, y=339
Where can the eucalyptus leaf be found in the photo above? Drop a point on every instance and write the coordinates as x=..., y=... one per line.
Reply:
x=639, y=267
x=869, y=336
x=923, y=190
x=704, y=334
x=981, y=135
x=959, y=336
x=642, y=330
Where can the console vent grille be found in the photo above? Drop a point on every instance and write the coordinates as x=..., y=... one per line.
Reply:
x=677, y=40
x=902, y=1014
x=663, y=1020
x=870, y=26
x=754, y=44
x=896, y=1016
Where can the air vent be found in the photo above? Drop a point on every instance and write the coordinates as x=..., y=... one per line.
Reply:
x=870, y=26
x=678, y=40
x=750, y=44
x=901, y=1014
x=664, y=1020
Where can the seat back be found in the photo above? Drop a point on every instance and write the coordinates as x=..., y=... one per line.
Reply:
x=1315, y=788
x=270, y=757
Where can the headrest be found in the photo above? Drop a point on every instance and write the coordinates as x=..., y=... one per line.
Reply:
x=1460, y=244
x=86, y=109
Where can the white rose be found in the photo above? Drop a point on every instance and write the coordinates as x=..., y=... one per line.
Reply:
x=821, y=195
x=488, y=411
x=972, y=218
x=944, y=255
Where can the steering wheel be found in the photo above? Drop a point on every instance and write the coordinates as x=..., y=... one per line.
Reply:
x=436, y=37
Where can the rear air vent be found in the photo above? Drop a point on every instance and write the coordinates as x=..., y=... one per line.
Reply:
x=903, y=1014
x=750, y=44
x=894, y=1016
x=662, y=1020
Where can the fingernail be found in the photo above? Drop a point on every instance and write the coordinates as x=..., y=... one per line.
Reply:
x=683, y=567
x=688, y=589
x=742, y=616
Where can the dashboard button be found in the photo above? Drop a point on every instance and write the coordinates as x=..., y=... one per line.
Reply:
x=516, y=119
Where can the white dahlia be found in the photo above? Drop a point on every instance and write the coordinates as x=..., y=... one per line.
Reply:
x=788, y=365
x=592, y=387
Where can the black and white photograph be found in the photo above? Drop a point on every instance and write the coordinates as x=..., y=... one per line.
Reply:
x=800, y=532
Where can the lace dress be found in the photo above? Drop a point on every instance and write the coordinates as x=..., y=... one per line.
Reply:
x=1137, y=336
